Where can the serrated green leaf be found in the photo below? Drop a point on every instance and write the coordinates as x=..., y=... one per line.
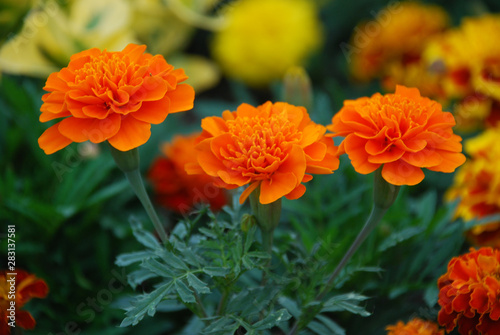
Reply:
x=133, y=257
x=184, y=292
x=223, y=325
x=172, y=260
x=208, y=233
x=159, y=268
x=137, y=277
x=319, y=328
x=258, y=254
x=145, y=304
x=198, y=285
x=398, y=237
x=214, y=271
x=144, y=237
x=346, y=302
x=190, y=257
x=272, y=319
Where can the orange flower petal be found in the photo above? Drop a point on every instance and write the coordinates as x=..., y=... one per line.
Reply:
x=451, y=160
x=154, y=112
x=279, y=185
x=181, y=99
x=132, y=133
x=296, y=193
x=355, y=148
x=25, y=320
x=95, y=130
x=402, y=173
x=52, y=140
x=423, y=158
x=244, y=195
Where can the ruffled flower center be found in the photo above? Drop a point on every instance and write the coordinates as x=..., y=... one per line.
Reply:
x=260, y=144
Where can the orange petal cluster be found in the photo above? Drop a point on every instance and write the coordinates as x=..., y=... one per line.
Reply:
x=173, y=187
x=477, y=187
x=113, y=96
x=27, y=286
x=415, y=326
x=274, y=146
x=403, y=131
x=469, y=293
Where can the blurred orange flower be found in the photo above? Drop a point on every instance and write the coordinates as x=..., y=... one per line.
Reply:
x=469, y=293
x=113, y=96
x=26, y=286
x=477, y=187
x=274, y=146
x=403, y=131
x=414, y=327
x=396, y=37
x=174, y=188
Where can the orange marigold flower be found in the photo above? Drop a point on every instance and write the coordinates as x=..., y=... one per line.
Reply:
x=18, y=289
x=469, y=293
x=477, y=186
x=113, y=96
x=274, y=146
x=403, y=131
x=414, y=327
x=398, y=34
x=173, y=187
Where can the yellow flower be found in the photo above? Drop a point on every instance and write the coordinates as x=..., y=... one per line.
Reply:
x=263, y=38
x=477, y=186
x=398, y=33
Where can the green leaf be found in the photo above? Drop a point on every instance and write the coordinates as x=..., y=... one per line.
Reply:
x=133, y=257
x=223, y=325
x=319, y=328
x=272, y=319
x=398, y=237
x=214, y=271
x=137, y=277
x=346, y=302
x=184, y=292
x=198, y=285
x=144, y=237
x=290, y=305
x=146, y=304
x=172, y=260
x=208, y=233
x=159, y=268
x=334, y=328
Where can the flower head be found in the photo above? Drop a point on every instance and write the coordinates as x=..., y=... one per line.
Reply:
x=274, y=146
x=469, y=293
x=173, y=187
x=113, y=96
x=25, y=286
x=477, y=186
x=263, y=38
x=396, y=35
x=414, y=327
x=403, y=131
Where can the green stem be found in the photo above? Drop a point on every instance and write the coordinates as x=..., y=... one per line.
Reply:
x=202, y=312
x=223, y=301
x=267, y=242
x=135, y=180
x=384, y=195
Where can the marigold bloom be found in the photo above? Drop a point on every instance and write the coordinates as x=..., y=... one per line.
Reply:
x=274, y=146
x=26, y=286
x=415, y=326
x=477, y=186
x=397, y=34
x=263, y=38
x=469, y=293
x=173, y=187
x=403, y=131
x=113, y=96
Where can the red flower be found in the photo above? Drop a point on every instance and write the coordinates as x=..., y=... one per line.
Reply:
x=469, y=293
x=25, y=286
x=174, y=188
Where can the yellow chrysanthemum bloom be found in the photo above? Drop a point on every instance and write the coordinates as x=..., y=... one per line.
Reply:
x=398, y=33
x=263, y=38
x=477, y=186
